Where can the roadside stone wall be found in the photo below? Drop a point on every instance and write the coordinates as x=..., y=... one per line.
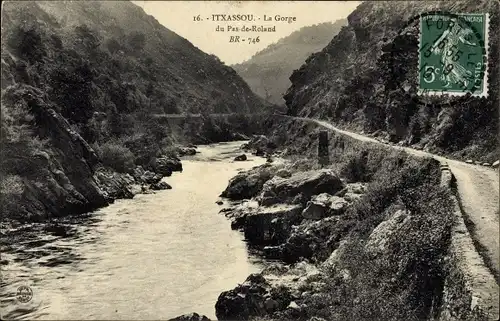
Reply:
x=470, y=292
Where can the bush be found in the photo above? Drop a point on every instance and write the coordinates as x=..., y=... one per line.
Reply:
x=144, y=147
x=355, y=170
x=11, y=190
x=117, y=157
x=405, y=281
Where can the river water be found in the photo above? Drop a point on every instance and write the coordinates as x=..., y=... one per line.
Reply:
x=155, y=256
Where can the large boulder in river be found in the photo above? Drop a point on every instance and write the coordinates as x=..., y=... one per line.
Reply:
x=190, y=317
x=240, y=158
x=245, y=301
x=160, y=186
x=283, y=190
x=187, y=151
x=247, y=184
x=167, y=165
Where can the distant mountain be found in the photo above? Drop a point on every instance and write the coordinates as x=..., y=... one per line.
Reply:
x=267, y=72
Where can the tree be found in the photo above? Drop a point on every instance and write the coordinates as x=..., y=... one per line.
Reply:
x=137, y=40
x=149, y=93
x=86, y=39
x=118, y=94
x=149, y=62
x=27, y=44
x=72, y=91
x=113, y=45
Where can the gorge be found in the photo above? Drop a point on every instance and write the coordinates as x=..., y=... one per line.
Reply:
x=142, y=178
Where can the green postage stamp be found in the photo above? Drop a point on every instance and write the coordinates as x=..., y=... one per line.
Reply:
x=453, y=54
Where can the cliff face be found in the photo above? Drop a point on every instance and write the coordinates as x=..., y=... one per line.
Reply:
x=268, y=71
x=81, y=82
x=356, y=81
x=52, y=174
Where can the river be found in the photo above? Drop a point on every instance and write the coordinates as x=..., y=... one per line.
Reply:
x=155, y=256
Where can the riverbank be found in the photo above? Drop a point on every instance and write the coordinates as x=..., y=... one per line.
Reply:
x=368, y=237
x=165, y=251
x=355, y=233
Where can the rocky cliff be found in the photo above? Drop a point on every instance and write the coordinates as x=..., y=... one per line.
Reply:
x=81, y=82
x=358, y=80
x=269, y=70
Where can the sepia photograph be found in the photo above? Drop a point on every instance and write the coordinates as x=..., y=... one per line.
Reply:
x=250, y=160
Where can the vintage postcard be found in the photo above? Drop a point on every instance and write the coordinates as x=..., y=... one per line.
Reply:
x=250, y=160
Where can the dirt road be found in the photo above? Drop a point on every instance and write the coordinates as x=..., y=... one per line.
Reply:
x=478, y=189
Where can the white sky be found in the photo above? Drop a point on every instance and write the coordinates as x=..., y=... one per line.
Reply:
x=178, y=17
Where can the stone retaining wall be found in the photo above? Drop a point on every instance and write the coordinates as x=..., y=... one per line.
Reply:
x=470, y=292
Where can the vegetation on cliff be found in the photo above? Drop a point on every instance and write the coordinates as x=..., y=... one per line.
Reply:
x=358, y=81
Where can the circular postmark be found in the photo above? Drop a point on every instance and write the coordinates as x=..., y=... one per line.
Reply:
x=450, y=60
x=24, y=294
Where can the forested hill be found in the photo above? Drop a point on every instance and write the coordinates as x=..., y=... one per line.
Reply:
x=267, y=72
x=131, y=56
x=358, y=82
x=81, y=82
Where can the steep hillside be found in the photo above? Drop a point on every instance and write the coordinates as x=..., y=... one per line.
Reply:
x=267, y=72
x=132, y=48
x=359, y=81
x=80, y=84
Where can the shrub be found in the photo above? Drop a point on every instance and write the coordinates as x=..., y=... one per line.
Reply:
x=405, y=281
x=28, y=44
x=145, y=148
x=355, y=170
x=170, y=151
x=11, y=190
x=117, y=157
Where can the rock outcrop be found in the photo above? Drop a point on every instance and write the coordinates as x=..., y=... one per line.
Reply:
x=244, y=301
x=260, y=145
x=166, y=165
x=61, y=178
x=248, y=184
x=66, y=177
x=278, y=292
x=324, y=205
x=241, y=158
x=305, y=184
x=190, y=317
x=264, y=225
